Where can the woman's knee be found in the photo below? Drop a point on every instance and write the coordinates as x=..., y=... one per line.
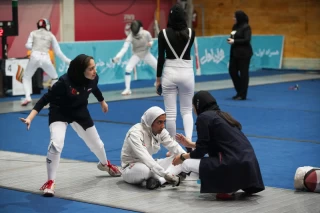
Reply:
x=57, y=136
x=136, y=173
x=191, y=165
x=171, y=115
x=56, y=146
x=185, y=110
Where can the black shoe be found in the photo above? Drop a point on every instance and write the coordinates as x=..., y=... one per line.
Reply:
x=234, y=97
x=183, y=176
x=240, y=98
x=153, y=183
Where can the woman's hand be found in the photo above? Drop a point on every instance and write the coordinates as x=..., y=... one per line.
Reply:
x=158, y=83
x=176, y=161
x=27, y=121
x=30, y=117
x=230, y=40
x=184, y=141
x=104, y=106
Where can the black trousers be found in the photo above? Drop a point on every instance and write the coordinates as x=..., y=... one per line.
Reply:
x=239, y=73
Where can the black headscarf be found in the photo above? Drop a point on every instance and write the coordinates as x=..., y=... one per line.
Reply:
x=76, y=70
x=204, y=101
x=177, y=18
x=241, y=17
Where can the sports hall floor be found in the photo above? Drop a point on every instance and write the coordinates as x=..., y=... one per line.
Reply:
x=282, y=125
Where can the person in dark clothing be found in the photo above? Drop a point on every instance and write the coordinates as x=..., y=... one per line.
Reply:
x=68, y=99
x=231, y=164
x=175, y=70
x=240, y=55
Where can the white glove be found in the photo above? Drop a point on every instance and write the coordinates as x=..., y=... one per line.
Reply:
x=174, y=180
x=115, y=60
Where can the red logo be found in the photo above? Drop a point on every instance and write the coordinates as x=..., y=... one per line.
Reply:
x=74, y=91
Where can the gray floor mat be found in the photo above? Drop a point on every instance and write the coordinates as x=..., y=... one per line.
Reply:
x=82, y=181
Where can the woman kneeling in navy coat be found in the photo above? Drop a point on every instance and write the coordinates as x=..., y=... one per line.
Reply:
x=231, y=164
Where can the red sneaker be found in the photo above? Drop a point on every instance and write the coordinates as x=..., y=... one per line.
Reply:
x=48, y=188
x=111, y=169
x=224, y=196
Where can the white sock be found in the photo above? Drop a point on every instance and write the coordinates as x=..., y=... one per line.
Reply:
x=53, y=160
x=27, y=88
x=127, y=80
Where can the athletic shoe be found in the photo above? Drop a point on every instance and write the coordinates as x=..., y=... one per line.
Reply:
x=48, y=188
x=111, y=169
x=126, y=92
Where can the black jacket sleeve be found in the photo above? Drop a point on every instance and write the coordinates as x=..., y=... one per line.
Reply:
x=56, y=91
x=246, y=36
x=96, y=91
x=203, y=138
x=161, y=53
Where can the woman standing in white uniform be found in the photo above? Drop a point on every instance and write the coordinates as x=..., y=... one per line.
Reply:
x=39, y=42
x=141, y=41
x=175, y=71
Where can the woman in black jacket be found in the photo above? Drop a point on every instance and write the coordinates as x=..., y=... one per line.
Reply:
x=240, y=54
x=232, y=164
x=68, y=99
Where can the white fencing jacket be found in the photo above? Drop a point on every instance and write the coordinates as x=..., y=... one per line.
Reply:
x=140, y=143
x=41, y=40
x=139, y=44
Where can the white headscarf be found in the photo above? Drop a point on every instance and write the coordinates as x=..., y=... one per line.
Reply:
x=151, y=115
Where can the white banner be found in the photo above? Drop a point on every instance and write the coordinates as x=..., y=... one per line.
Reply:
x=14, y=67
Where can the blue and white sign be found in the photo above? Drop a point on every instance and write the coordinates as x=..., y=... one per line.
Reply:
x=213, y=52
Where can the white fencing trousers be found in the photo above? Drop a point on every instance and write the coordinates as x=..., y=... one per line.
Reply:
x=138, y=172
x=57, y=136
x=178, y=79
x=37, y=60
x=191, y=165
x=133, y=61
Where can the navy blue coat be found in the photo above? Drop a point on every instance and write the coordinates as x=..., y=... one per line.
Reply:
x=232, y=164
x=68, y=102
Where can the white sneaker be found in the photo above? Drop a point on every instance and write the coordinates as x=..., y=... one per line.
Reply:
x=48, y=188
x=126, y=92
x=111, y=169
x=25, y=102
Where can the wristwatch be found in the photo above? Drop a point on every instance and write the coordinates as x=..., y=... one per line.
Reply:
x=181, y=157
